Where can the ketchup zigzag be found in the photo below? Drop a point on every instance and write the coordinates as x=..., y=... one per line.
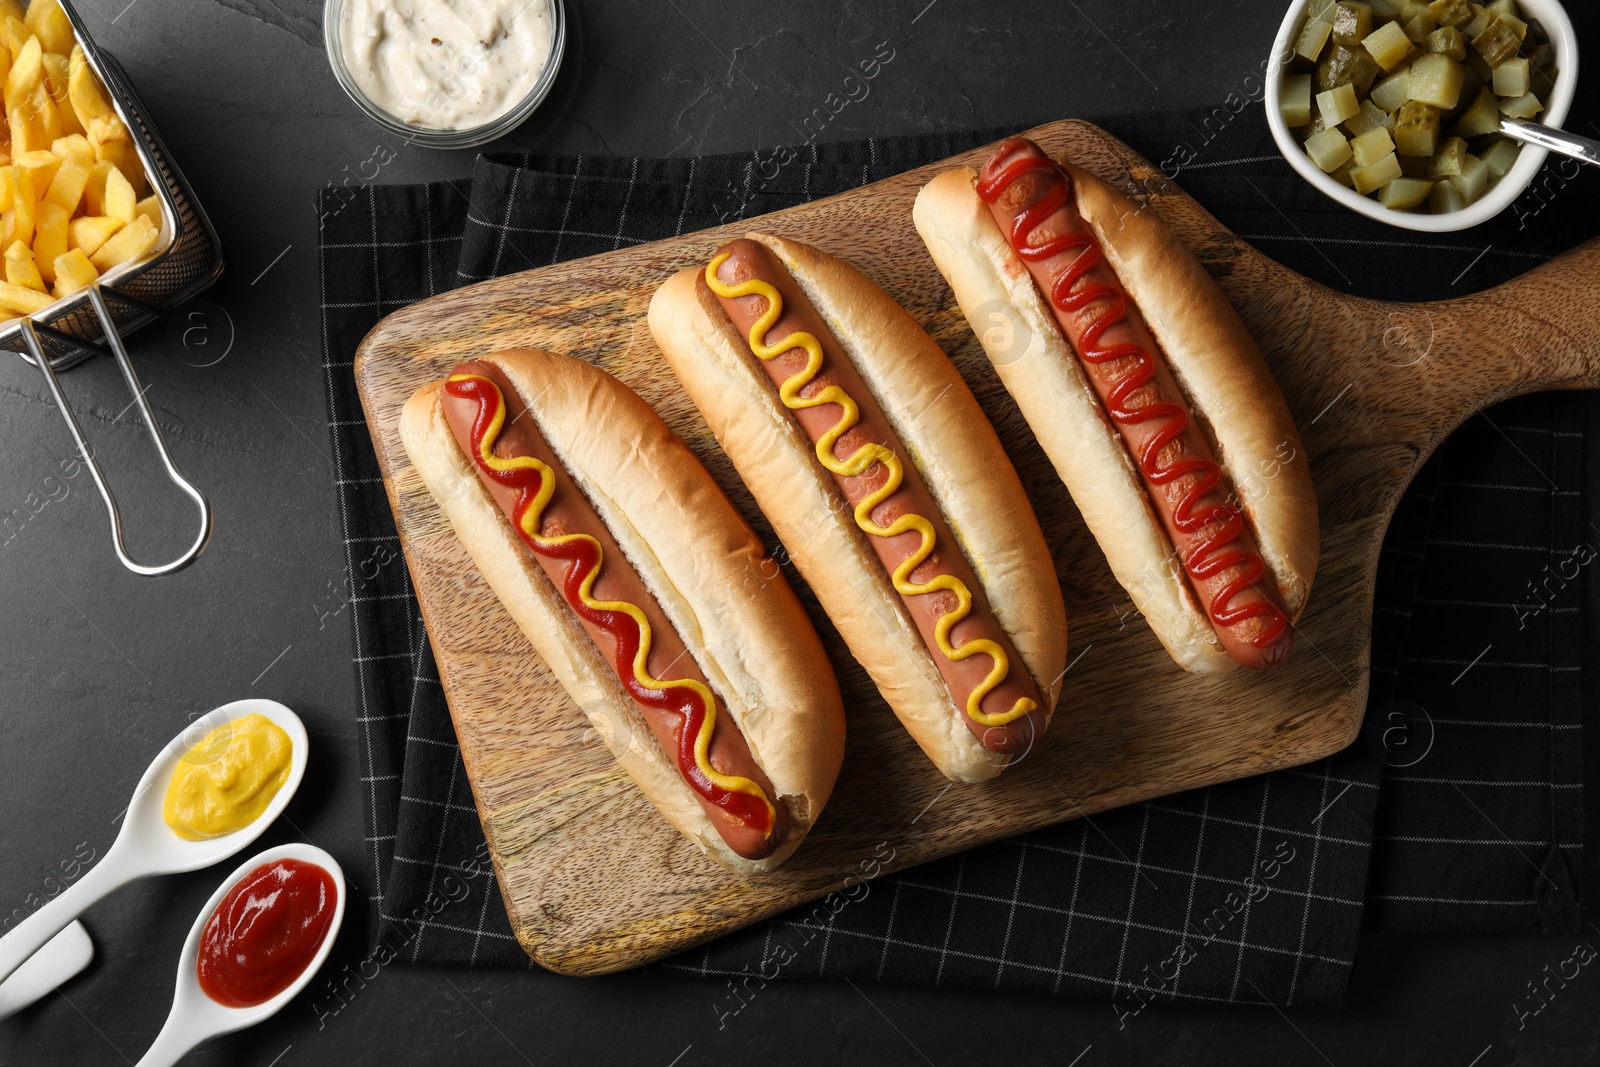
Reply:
x=858, y=463
x=1207, y=559
x=535, y=484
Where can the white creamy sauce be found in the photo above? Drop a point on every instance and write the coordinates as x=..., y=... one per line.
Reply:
x=447, y=64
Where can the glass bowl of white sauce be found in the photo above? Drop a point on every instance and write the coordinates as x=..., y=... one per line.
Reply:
x=446, y=73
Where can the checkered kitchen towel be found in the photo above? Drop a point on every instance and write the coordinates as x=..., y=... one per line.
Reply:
x=1462, y=810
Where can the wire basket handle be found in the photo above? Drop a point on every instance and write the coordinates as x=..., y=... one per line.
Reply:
x=30, y=335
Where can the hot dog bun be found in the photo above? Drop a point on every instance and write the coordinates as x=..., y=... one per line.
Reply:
x=702, y=562
x=1237, y=403
x=948, y=438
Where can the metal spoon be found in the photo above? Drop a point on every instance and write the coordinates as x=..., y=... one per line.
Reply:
x=195, y=1017
x=146, y=846
x=1583, y=149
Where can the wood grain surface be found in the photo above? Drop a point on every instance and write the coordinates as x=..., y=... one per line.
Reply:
x=594, y=880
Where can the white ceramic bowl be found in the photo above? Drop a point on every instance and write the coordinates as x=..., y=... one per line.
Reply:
x=1549, y=14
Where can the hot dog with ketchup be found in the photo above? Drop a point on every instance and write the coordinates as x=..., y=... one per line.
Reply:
x=1146, y=392
x=886, y=484
x=608, y=543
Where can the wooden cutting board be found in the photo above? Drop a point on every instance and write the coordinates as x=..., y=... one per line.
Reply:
x=594, y=880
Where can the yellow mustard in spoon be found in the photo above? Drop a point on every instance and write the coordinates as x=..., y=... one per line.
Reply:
x=226, y=781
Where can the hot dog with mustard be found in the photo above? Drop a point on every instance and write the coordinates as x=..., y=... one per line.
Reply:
x=643, y=590
x=887, y=485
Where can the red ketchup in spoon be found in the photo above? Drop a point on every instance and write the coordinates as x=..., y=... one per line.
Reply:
x=265, y=932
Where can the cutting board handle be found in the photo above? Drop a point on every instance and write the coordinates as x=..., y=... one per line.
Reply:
x=1539, y=331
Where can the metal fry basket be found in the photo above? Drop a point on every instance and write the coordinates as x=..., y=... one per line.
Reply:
x=186, y=259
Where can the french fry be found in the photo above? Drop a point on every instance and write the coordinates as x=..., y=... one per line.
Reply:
x=8, y=186
x=25, y=205
x=83, y=90
x=120, y=154
x=150, y=208
x=21, y=300
x=15, y=34
x=128, y=243
x=73, y=272
x=74, y=146
x=27, y=72
x=20, y=267
x=47, y=118
x=50, y=237
x=11, y=9
x=119, y=201
x=54, y=30
x=91, y=231
x=94, y=193
x=55, y=83
x=42, y=165
x=24, y=136
x=66, y=188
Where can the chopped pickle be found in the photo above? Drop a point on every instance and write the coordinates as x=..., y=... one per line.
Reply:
x=1412, y=8
x=1436, y=80
x=1500, y=157
x=1371, y=146
x=1417, y=29
x=1516, y=25
x=1342, y=175
x=1497, y=43
x=1328, y=150
x=1541, y=54
x=1446, y=162
x=1479, y=20
x=1384, y=9
x=1481, y=118
x=1414, y=166
x=1375, y=176
x=1541, y=82
x=1352, y=20
x=1536, y=31
x=1312, y=38
x=1403, y=194
x=1346, y=66
x=1320, y=9
x=1471, y=83
x=1370, y=117
x=1388, y=45
x=1294, y=99
x=1473, y=179
x=1336, y=105
x=1525, y=106
x=1511, y=77
x=1447, y=41
x=1444, y=198
x=1453, y=13
x=1416, y=129
x=1393, y=91
x=1504, y=7
x=1364, y=70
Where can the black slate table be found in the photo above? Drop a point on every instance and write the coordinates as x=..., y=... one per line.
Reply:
x=98, y=668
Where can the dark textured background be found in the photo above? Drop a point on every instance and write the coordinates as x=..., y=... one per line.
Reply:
x=98, y=668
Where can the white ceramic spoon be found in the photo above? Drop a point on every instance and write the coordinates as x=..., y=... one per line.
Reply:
x=62, y=957
x=146, y=846
x=195, y=1017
